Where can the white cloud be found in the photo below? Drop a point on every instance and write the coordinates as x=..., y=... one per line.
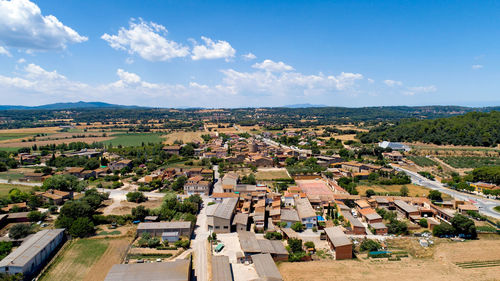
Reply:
x=22, y=25
x=272, y=66
x=370, y=80
x=420, y=89
x=21, y=61
x=4, y=51
x=477, y=66
x=249, y=56
x=129, y=60
x=147, y=40
x=213, y=50
x=393, y=83
x=38, y=85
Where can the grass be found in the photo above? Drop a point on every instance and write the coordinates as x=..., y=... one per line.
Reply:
x=470, y=161
x=114, y=232
x=422, y=161
x=414, y=190
x=11, y=176
x=79, y=255
x=134, y=139
x=478, y=264
x=497, y=208
x=10, y=136
x=5, y=188
x=146, y=256
x=10, y=149
x=271, y=175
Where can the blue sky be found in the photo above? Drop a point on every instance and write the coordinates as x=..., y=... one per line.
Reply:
x=250, y=53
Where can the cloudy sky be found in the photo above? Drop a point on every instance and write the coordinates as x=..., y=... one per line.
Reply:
x=250, y=53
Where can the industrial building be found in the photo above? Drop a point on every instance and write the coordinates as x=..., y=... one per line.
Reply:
x=33, y=254
x=183, y=228
x=179, y=270
x=220, y=216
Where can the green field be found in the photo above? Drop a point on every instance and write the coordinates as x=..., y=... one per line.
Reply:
x=74, y=259
x=470, y=161
x=11, y=176
x=5, y=188
x=134, y=139
x=10, y=136
x=422, y=161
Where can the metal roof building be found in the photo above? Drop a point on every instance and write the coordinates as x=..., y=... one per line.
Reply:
x=221, y=269
x=266, y=268
x=179, y=270
x=184, y=228
x=32, y=255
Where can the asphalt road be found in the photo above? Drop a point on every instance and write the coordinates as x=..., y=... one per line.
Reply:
x=199, y=244
x=485, y=205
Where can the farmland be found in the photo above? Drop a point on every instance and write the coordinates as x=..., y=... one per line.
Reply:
x=184, y=137
x=422, y=161
x=271, y=174
x=470, y=162
x=414, y=190
x=86, y=259
x=134, y=139
x=5, y=188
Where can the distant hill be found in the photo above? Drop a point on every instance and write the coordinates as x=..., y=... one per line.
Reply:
x=304, y=105
x=66, y=105
x=473, y=128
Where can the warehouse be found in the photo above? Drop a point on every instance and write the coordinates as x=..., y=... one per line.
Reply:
x=221, y=269
x=33, y=254
x=220, y=216
x=183, y=228
x=339, y=242
x=266, y=268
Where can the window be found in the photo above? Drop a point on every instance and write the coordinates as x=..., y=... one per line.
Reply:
x=226, y=227
x=217, y=227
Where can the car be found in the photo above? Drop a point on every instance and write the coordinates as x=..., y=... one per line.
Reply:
x=140, y=261
x=158, y=260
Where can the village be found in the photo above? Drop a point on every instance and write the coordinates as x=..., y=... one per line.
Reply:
x=234, y=207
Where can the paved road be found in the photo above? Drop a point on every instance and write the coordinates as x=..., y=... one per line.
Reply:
x=485, y=205
x=218, y=183
x=199, y=244
x=21, y=182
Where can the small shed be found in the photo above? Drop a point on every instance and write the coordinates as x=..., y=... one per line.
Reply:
x=170, y=236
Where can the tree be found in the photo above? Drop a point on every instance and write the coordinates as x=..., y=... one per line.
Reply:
x=370, y=193
x=5, y=248
x=298, y=227
x=423, y=222
x=397, y=227
x=295, y=245
x=309, y=245
x=178, y=184
x=81, y=227
x=273, y=235
x=464, y=226
x=435, y=195
x=404, y=191
x=443, y=230
x=62, y=182
x=369, y=245
x=136, y=196
x=139, y=213
x=35, y=216
x=19, y=231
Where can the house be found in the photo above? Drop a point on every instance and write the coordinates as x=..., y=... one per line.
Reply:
x=18, y=217
x=370, y=215
x=219, y=197
x=19, y=206
x=394, y=156
x=119, y=165
x=356, y=226
x=100, y=172
x=261, y=161
x=178, y=270
x=464, y=208
x=33, y=253
x=87, y=174
x=197, y=185
x=379, y=228
x=156, y=229
x=221, y=269
x=75, y=171
x=220, y=215
x=240, y=222
x=194, y=172
x=405, y=209
x=250, y=246
x=306, y=213
x=482, y=186
x=289, y=216
x=54, y=196
x=33, y=176
x=339, y=242
x=172, y=149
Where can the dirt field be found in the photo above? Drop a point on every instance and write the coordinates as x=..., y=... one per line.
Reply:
x=345, y=137
x=87, y=259
x=414, y=190
x=124, y=207
x=39, y=130
x=440, y=267
x=272, y=173
x=184, y=137
x=17, y=143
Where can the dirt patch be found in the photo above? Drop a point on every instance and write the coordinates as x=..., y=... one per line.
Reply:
x=185, y=137
x=55, y=141
x=414, y=190
x=125, y=207
x=440, y=267
x=117, y=249
x=271, y=174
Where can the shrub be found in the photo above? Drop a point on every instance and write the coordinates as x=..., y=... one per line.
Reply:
x=273, y=235
x=35, y=216
x=19, y=231
x=298, y=227
x=369, y=245
x=309, y=245
x=423, y=222
x=136, y=196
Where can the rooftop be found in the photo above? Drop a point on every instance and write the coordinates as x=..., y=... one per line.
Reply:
x=178, y=270
x=337, y=236
x=164, y=225
x=265, y=267
x=221, y=269
x=226, y=208
x=304, y=208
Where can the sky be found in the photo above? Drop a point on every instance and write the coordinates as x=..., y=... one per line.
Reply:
x=250, y=53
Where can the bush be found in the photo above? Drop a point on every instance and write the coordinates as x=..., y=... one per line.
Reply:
x=443, y=230
x=273, y=236
x=295, y=245
x=309, y=245
x=81, y=227
x=19, y=231
x=369, y=245
x=435, y=195
x=298, y=227
x=183, y=243
x=136, y=196
x=423, y=222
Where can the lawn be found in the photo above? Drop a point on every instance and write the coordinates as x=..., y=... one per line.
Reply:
x=5, y=188
x=76, y=259
x=134, y=139
x=470, y=162
x=422, y=161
